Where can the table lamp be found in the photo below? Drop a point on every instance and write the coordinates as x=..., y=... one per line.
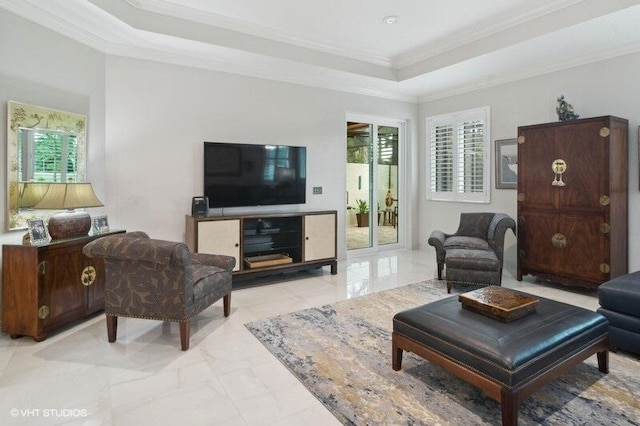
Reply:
x=69, y=196
x=31, y=194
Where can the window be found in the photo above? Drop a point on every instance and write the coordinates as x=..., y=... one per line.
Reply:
x=458, y=156
x=47, y=155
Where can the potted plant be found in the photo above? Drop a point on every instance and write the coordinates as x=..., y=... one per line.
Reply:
x=362, y=213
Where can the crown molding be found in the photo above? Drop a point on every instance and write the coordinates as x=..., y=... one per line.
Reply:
x=313, y=78
x=472, y=35
x=533, y=72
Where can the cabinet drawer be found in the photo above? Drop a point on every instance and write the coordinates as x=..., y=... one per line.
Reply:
x=564, y=245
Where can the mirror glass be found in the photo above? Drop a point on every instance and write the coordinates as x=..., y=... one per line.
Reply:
x=44, y=146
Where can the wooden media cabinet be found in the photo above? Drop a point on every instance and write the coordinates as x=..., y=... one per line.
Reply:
x=264, y=244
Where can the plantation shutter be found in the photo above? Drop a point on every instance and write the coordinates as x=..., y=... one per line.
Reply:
x=442, y=167
x=458, y=156
x=470, y=158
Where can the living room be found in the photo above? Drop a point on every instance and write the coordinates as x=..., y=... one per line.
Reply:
x=147, y=120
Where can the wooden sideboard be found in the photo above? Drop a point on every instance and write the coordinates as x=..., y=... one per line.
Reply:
x=47, y=286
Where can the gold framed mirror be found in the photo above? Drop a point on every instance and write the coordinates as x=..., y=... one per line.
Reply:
x=44, y=146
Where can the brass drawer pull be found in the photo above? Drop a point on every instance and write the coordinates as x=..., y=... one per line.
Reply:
x=88, y=276
x=559, y=241
x=43, y=312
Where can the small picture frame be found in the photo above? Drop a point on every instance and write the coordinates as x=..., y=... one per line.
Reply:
x=506, y=164
x=38, y=233
x=100, y=225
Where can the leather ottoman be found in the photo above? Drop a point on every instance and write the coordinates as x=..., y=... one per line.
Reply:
x=620, y=303
x=508, y=361
x=472, y=266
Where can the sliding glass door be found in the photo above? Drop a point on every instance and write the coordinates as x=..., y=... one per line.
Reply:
x=373, y=177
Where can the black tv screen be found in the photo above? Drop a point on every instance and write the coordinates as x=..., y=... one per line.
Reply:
x=240, y=175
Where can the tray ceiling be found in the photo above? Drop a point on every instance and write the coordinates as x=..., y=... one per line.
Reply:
x=435, y=49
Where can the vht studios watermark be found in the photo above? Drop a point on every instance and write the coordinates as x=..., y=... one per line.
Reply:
x=48, y=412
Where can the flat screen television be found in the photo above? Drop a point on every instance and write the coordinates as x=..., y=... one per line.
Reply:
x=242, y=175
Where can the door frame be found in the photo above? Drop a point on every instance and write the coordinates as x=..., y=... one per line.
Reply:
x=377, y=121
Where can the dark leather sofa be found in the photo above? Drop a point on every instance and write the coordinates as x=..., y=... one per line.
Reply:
x=620, y=303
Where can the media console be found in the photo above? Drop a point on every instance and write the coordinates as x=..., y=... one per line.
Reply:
x=264, y=244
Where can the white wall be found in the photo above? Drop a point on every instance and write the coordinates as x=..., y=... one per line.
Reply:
x=158, y=115
x=147, y=122
x=43, y=68
x=603, y=88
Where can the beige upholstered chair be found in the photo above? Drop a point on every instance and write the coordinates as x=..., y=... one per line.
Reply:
x=161, y=280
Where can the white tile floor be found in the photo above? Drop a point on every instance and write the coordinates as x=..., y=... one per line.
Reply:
x=226, y=378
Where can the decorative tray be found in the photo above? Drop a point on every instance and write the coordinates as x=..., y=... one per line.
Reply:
x=267, y=260
x=499, y=303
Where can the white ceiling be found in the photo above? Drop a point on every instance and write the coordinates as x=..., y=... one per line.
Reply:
x=437, y=48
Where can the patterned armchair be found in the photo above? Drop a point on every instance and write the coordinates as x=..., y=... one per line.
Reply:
x=476, y=231
x=161, y=280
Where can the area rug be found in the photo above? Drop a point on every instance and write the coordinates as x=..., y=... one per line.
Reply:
x=342, y=354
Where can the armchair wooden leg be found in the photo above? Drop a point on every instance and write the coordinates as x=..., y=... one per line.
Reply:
x=440, y=270
x=112, y=328
x=185, y=334
x=226, y=303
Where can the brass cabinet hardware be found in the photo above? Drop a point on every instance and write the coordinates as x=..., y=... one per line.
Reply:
x=605, y=200
x=604, y=132
x=88, y=276
x=604, y=268
x=559, y=241
x=43, y=312
x=42, y=267
x=520, y=139
x=605, y=228
x=559, y=166
x=521, y=197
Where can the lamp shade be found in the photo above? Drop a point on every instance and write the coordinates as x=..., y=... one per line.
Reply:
x=69, y=196
x=31, y=194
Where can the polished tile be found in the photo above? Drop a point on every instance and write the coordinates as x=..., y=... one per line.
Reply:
x=226, y=378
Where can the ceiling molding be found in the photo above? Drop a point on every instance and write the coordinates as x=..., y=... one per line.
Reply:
x=203, y=32
x=472, y=35
x=237, y=25
x=533, y=72
x=470, y=59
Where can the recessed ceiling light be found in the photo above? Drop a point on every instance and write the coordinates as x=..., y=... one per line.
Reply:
x=390, y=20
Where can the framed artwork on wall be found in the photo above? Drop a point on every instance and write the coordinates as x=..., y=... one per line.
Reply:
x=506, y=164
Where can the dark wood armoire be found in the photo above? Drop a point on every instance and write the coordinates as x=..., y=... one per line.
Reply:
x=573, y=201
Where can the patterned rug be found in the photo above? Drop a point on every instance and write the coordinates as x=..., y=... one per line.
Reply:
x=342, y=354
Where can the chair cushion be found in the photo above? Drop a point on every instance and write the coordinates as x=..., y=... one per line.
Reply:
x=619, y=320
x=621, y=294
x=206, y=279
x=474, y=224
x=466, y=242
x=480, y=260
